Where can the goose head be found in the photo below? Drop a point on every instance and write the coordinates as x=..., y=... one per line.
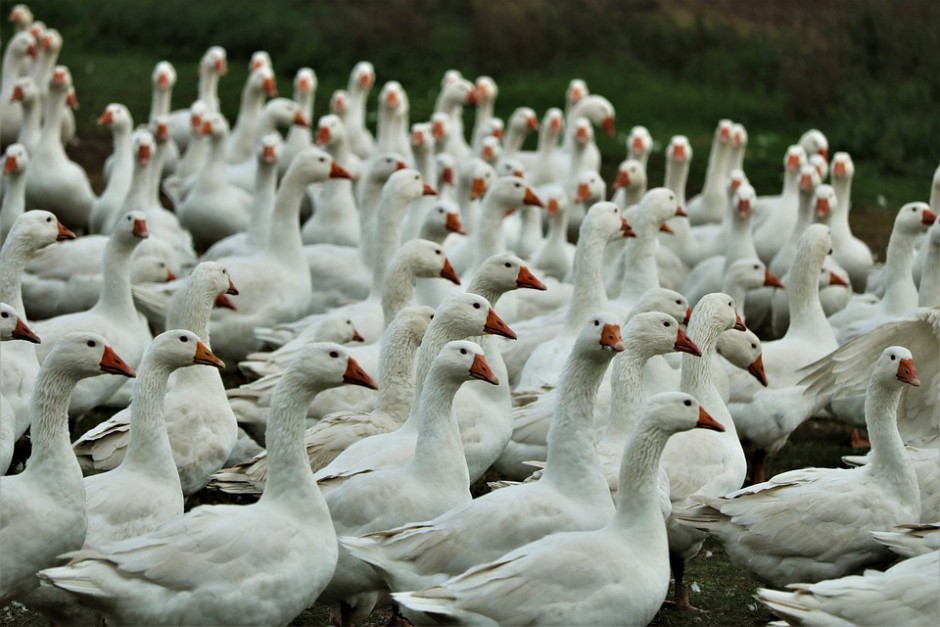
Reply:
x=426, y=260
x=464, y=360
x=842, y=167
x=143, y=145
x=284, y=112
x=631, y=176
x=380, y=166
x=442, y=218
x=663, y=300
x=591, y=188
x=814, y=142
x=504, y=272
x=179, y=348
x=117, y=117
x=269, y=149
x=259, y=59
x=468, y=315
x=314, y=165
x=600, y=337
x=474, y=177
x=605, y=222
x=743, y=350
x=491, y=149
x=914, y=218
x=214, y=61
x=393, y=99
x=25, y=91
x=406, y=185
x=362, y=78
x=331, y=132
x=81, y=355
x=324, y=365
x=305, y=83
x=39, y=229
x=164, y=76
x=679, y=149
x=639, y=143
x=508, y=193
x=658, y=333
x=15, y=160
x=339, y=102
x=674, y=412
x=12, y=327
x=716, y=312
x=895, y=365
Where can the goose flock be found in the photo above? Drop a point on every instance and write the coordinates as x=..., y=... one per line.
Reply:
x=440, y=373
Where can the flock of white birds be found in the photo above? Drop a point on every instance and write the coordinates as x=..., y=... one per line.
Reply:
x=421, y=307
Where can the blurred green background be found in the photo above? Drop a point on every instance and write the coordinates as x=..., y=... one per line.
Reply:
x=865, y=72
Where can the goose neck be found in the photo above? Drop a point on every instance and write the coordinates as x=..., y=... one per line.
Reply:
x=149, y=445
x=588, y=295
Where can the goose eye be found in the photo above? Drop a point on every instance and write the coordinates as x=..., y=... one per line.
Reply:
x=687, y=403
x=476, y=305
x=334, y=354
x=92, y=344
x=665, y=324
x=463, y=351
x=183, y=338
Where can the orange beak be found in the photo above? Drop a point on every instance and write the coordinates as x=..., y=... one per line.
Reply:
x=23, y=332
x=684, y=344
x=337, y=172
x=64, y=234
x=112, y=364
x=205, y=357
x=608, y=126
x=481, y=370
x=705, y=421
x=757, y=370
x=770, y=280
x=907, y=373
x=525, y=279
x=495, y=326
x=355, y=375
x=453, y=224
x=531, y=199
x=610, y=338
x=447, y=272
x=140, y=228
x=323, y=136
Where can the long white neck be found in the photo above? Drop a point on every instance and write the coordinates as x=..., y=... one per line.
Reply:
x=638, y=495
x=888, y=457
x=572, y=462
x=14, y=256
x=588, y=295
x=900, y=291
x=116, y=297
x=52, y=454
x=149, y=446
x=438, y=449
x=626, y=388
x=290, y=481
x=262, y=205
x=14, y=203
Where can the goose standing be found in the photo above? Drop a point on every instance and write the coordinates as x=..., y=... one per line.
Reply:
x=43, y=511
x=68, y=193
x=285, y=540
x=615, y=575
x=812, y=524
x=199, y=421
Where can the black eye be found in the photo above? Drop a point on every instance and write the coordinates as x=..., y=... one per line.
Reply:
x=665, y=324
x=49, y=219
x=334, y=354
x=892, y=357
x=687, y=403
x=463, y=351
x=92, y=344
x=183, y=338
x=476, y=305
x=508, y=265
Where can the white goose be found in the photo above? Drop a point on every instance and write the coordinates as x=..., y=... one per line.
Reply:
x=12, y=327
x=572, y=494
x=15, y=162
x=113, y=508
x=336, y=432
x=429, y=485
x=813, y=524
x=43, y=511
x=68, y=193
x=617, y=574
x=222, y=554
x=19, y=365
x=199, y=421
